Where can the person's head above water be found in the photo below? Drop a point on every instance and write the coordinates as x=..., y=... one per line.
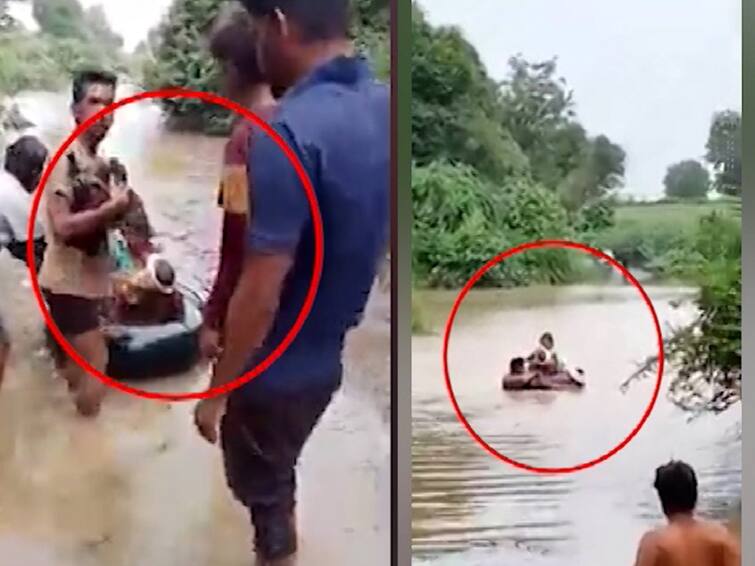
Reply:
x=233, y=45
x=516, y=367
x=93, y=90
x=294, y=36
x=164, y=273
x=25, y=160
x=676, y=485
x=546, y=340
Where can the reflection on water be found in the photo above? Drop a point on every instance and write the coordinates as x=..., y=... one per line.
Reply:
x=471, y=509
x=138, y=486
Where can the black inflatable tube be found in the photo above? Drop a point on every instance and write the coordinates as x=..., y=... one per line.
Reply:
x=149, y=352
x=146, y=352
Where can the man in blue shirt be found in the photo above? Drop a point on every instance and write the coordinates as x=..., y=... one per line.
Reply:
x=336, y=118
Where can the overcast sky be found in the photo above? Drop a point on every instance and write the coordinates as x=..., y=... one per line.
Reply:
x=647, y=73
x=132, y=19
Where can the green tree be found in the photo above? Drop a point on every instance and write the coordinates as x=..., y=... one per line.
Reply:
x=599, y=172
x=535, y=102
x=687, y=179
x=181, y=59
x=456, y=114
x=538, y=110
x=371, y=32
x=178, y=57
x=99, y=29
x=60, y=18
x=724, y=151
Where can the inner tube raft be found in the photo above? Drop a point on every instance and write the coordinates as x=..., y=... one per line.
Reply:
x=561, y=381
x=152, y=351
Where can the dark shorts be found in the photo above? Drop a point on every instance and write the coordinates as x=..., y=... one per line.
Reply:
x=73, y=315
x=262, y=441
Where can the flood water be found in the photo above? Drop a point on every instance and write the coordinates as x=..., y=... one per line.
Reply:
x=138, y=486
x=470, y=508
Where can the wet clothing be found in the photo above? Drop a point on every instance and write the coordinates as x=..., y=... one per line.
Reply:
x=73, y=315
x=337, y=121
x=66, y=269
x=15, y=207
x=262, y=441
x=233, y=199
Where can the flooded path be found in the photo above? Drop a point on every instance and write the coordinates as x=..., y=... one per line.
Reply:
x=471, y=509
x=138, y=487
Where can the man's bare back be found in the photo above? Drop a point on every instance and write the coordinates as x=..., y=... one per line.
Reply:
x=689, y=542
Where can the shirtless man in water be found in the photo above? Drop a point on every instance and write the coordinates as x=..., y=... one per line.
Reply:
x=75, y=283
x=686, y=540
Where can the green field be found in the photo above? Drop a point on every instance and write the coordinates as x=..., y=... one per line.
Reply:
x=674, y=215
x=643, y=233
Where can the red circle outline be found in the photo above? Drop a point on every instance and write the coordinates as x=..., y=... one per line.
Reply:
x=629, y=277
x=316, y=270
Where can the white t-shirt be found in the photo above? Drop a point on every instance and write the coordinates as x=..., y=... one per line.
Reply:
x=15, y=205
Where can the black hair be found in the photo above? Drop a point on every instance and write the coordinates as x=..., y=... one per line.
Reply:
x=547, y=336
x=516, y=365
x=676, y=485
x=83, y=79
x=232, y=40
x=24, y=159
x=318, y=19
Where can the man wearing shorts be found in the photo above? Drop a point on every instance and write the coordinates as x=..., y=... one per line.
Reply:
x=335, y=117
x=75, y=282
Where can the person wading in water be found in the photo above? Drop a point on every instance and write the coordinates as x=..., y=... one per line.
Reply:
x=335, y=117
x=686, y=540
x=75, y=282
x=232, y=45
x=24, y=162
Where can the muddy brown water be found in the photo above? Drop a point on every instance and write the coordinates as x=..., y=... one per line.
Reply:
x=138, y=487
x=472, y=509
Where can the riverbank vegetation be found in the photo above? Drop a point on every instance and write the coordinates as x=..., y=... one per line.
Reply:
x=498, y=164
x=176, y=55
x=68, y=38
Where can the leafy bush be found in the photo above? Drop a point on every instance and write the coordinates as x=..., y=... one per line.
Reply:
x=70, y=39
x=462, y=221
x=371, y=33
x=181, y=58
x=596, y=217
